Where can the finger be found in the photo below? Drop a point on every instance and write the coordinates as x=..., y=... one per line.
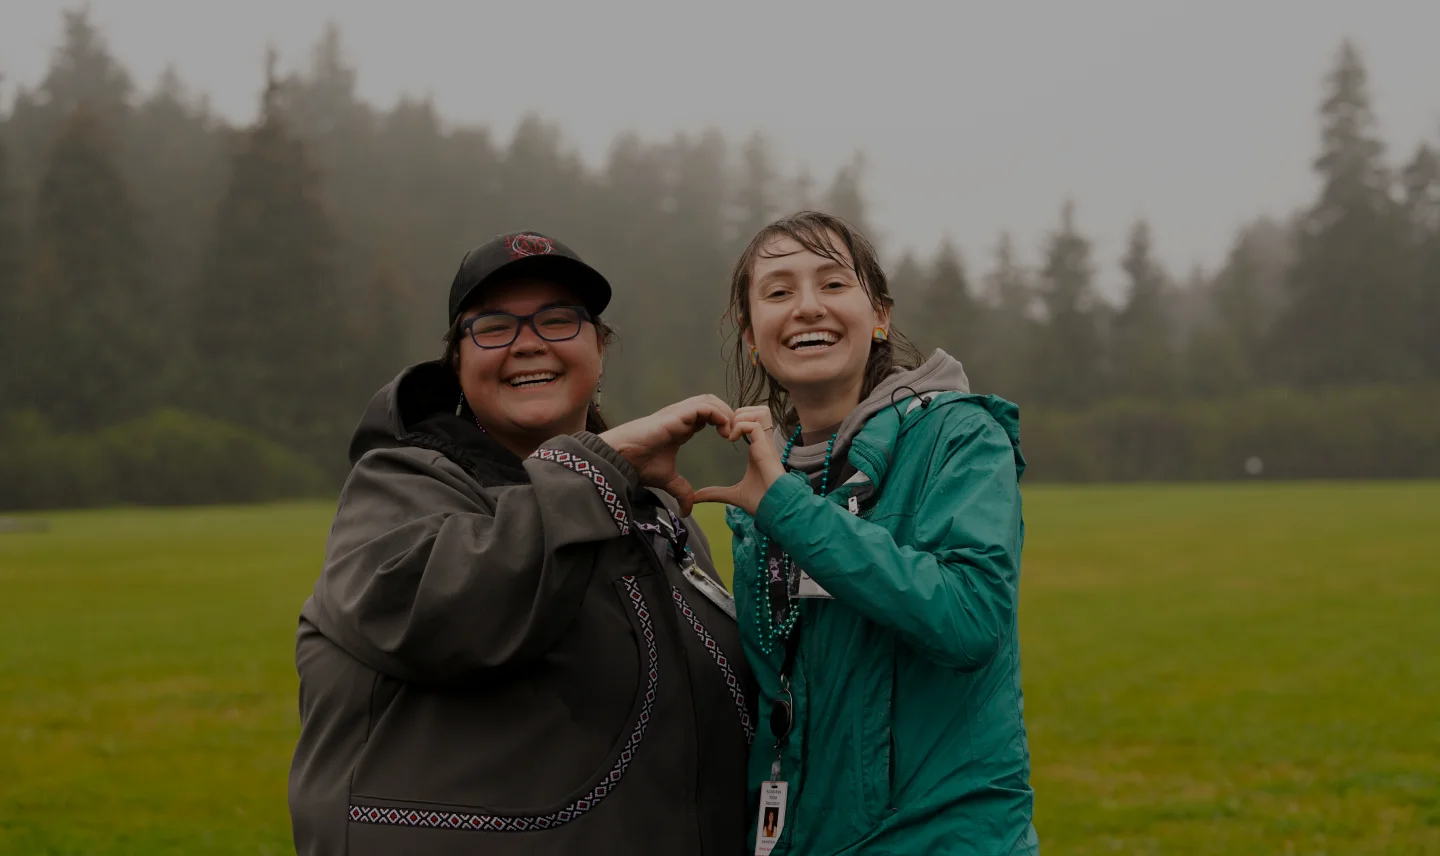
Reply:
x=704, y=410
x=727, y=495
x=691, y=420
x=757, y=412
x=733, y=430
x=716, y=411
x=719, y=406
x=679, y=487
x=748, y=428
x=763, y=451
x=728, y=432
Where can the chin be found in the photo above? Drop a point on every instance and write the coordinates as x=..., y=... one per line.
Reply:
x=550, y=417
x=810, y=371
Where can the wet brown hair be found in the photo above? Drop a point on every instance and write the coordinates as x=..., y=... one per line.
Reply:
x=455, y=337
x=815, y=231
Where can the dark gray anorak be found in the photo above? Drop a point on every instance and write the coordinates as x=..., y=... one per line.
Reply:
x=512, y=657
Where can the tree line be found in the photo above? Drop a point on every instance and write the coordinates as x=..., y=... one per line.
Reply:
x=194, y=311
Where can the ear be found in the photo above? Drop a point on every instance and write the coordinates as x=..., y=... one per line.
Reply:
x=882, y=318
x=748, y=337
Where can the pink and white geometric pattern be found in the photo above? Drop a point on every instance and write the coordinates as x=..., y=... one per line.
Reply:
x=589, y=470
x=431, y=819
x=737, y=692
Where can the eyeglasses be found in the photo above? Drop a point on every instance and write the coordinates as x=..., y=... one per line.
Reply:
x=500, y=329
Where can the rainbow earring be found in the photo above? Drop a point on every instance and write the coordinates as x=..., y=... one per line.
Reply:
x=879, y=334
x=755, y=357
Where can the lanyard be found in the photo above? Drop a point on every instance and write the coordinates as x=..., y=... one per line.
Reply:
x=782, y=713
x=779, y=569
x=672, y=531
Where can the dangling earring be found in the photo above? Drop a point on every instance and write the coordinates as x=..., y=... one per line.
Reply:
x=755, y=357
x=879, y=334
x=460, y=405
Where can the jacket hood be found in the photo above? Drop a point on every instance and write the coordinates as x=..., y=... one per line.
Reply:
x=417, y=408
x=940, y=373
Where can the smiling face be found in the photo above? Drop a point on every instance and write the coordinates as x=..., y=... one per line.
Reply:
x=813, y=321
x=534, y=389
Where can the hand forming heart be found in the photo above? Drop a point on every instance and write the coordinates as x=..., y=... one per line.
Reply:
x=651, y=443
x=764, y=461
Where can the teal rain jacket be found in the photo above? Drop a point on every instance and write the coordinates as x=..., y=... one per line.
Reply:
x=909, y=736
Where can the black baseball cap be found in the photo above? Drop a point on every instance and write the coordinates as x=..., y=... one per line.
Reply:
x=528, y=254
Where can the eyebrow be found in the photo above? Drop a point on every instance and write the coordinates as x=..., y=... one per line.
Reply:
x=789, y=273
x=492, y=310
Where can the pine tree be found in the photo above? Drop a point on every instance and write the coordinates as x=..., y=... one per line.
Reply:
x=82, y=74
x=176, y=165
x=697, y=261
x=1349, y=296
x=635, y=191
x=951, y=311
x=801, y=191
x=846, y=199
x=270, y=325
x=755, y=197
x=321, y=106
x=94, y=349
x=381, y=330
x=438, y=193
x=1243, y=301
x=11, y=254
x=907, y=287
x=1422, y=206
x=543, y=184
x=999, y=361
x=1142, y=352
x=1065, y=357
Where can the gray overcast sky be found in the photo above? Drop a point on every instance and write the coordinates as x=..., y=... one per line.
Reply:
x=974, y=116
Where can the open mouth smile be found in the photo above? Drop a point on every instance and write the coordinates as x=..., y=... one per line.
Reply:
x=532, y=380
x=816, y=341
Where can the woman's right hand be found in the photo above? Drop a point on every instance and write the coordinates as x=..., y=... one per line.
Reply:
x=651, y=443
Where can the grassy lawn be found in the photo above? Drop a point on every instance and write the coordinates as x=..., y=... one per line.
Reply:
x=1208, y=670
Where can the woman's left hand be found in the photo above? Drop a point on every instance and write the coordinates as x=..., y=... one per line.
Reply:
x=764, y=465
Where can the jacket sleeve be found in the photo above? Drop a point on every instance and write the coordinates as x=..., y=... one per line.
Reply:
x=953, y=594
x=431, y=579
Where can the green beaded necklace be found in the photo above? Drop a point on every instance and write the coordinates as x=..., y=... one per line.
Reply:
x=772, y=631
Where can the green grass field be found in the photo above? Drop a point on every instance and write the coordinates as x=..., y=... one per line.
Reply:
x=1208, y=670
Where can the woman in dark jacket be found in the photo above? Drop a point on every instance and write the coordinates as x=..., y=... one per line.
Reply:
x=518, y=644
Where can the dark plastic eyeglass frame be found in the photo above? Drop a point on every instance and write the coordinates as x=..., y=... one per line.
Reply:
x=522, y=320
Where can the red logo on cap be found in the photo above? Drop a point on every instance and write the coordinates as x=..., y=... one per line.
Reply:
x=528, y=245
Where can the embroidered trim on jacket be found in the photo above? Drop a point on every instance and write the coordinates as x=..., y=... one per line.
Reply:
x=590, y=471
x=737, y=692
x=430, y=819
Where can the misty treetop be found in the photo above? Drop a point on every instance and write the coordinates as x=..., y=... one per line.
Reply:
x=158, y=264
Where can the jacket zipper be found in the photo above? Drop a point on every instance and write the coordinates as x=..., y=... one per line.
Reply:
x=674, y=624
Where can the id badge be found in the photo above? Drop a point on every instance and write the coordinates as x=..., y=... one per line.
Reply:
x=772, y=816
x=807, y=587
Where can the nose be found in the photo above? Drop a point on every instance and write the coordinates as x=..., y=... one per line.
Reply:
x=809, y=307
x=528, y=342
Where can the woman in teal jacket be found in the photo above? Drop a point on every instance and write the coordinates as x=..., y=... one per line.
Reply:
x=877, y=537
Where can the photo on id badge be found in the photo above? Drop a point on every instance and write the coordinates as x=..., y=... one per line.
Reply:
x=772, y=816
